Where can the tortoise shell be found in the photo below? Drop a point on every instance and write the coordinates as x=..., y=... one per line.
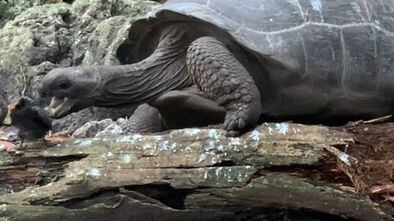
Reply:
x=337, y=52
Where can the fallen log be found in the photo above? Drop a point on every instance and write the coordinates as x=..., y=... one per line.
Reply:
x=189, y=174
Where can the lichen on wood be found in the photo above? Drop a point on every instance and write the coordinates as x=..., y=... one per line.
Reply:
x=203, y=174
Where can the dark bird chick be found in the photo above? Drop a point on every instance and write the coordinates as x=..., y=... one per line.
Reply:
x=31, y=119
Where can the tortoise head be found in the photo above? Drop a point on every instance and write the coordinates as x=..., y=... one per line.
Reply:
x=70, y=90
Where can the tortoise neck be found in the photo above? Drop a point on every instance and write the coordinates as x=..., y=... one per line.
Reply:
x=164, y=70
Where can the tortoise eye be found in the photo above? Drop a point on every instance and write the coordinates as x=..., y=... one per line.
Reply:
x=64, y=84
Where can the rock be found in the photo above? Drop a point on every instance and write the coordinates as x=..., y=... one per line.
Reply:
x=93, y=12
x=134, y=8
x=41, y=33
x=111, y=130
x=10, y=9
x=105, y=41
x=3, y=99
x=92, y=128
x=108, y=127
x=9, y=133
x=72, y=122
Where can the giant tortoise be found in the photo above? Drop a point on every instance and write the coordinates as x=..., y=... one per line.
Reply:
x=286, y=59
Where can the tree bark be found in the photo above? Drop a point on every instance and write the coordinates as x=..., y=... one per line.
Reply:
x=189, y=174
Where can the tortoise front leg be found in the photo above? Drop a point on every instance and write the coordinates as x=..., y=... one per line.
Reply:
x=145, y=119
x=188, y=108
x=216, y=71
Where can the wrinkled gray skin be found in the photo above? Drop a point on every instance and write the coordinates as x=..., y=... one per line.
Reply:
x=326, y=59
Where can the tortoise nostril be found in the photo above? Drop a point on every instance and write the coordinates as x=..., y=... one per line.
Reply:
x=43, y=94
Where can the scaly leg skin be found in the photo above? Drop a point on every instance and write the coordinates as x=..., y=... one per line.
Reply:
x=145, y=119
x=216, y=71
x=188, y=108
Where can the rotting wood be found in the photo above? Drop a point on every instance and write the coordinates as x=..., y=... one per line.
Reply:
x=208, y=176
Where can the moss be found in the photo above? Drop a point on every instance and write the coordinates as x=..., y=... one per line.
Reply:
x=11, y=8
x=105, y=41
x=130, y=8
x=134, y=8
x=92, y=13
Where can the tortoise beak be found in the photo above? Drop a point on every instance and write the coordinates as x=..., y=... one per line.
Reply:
x=60, y=107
